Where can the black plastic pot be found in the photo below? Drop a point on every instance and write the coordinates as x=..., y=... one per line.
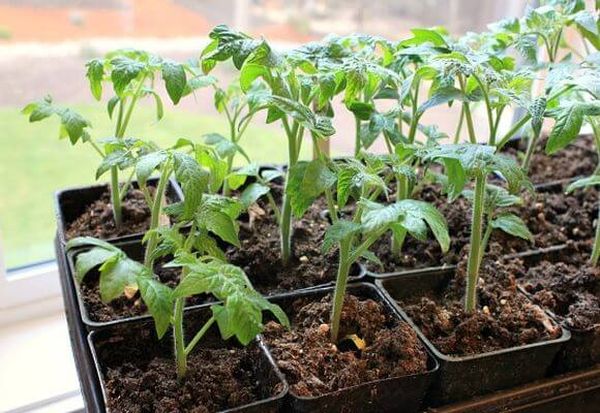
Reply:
x=575, y=392
x=405, y=393
x=134, y=249
x=463, y=377
x=114, y=338
x=583, y=349
x=82, y=356
x=71, y=203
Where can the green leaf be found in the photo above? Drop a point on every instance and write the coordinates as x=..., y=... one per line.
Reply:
x=252, y=193
x=113, y=159
x=361, y=110
x=339, y=231
x=89, y=241
x=95, y=75
x=440, y=96
x=566, y=129
x=116, y=274
x=306, y=182
x=422, y=36
x=124, y=70
x=536, y=110
x=583, y=182
x=159, y=300
x=175, y=80
x=110, y=106
x=223, y=146
x=513, y=225
x=215, y=218
x=86, y=261
x=249, y=73
x=193, y=180
x=39, y=110
x=588, y=21
x=146, y=164
x=410, y=214
x=74, y=124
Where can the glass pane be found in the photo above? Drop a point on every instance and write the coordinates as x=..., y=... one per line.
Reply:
x=44, y=45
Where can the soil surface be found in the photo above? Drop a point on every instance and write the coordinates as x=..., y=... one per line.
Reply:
x=313, y=366
x=552, y=217
x=260, y=254
x=504, y=318
x=140, y=375
x=97, y=220
x=124, y=307
x=576, y=160
x=565, y=284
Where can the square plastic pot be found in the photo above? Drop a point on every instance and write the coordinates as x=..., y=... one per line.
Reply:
x=103, y=341
x=134, y=249
x=71, y=203
x=389, y=395
x=464, y=377
x=583, y=349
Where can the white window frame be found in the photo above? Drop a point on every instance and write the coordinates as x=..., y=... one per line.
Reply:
x=28, y=292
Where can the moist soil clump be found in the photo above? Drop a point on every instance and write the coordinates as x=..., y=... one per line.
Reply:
x=140, y=376
x=576, y=160
x=132, y=305
x=569, y=286
x=314, y=366
x=504, y=318
x=260, y=252
x=97, y=220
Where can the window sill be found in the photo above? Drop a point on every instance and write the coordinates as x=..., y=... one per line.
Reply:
x=38, y=372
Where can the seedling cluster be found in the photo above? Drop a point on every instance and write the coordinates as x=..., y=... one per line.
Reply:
x=388, y=87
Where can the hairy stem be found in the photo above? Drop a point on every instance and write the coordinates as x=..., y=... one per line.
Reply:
x=155, y=214
x=178, y=338
x=596, y=249
x=475, y=251
x=198, y=336
x=460, y=124
x=286, y=209
x=357, y=143
x=115, y=196
x=340, y=289
x=401, y=193
x=414, y=119
x=530, y=150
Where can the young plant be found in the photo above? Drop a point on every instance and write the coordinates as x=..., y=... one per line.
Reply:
x=287, y=102
x=361, y=180
x=132, y=75
x=204, y=269
x=467, y=162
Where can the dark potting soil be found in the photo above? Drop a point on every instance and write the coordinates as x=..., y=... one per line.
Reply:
x=553, y=218
x=260, y=253
x=140, y=376
x=503, y=319
x=314, y=366
x=97, y=220
x=576, y=160
x=125, y=307
x=568, y=286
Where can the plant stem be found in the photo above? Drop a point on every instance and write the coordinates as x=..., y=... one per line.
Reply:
x=488, y=108
x=467, y=111
x=401, y=193
x=596, y=249
x=475, y=251
x=178, y=338
x=198, y=336
x=530, y=150
x=357, y=143
x=156, y=209
x=414, y=119
x=460, y=124
x=115, y=196
x=286, y=209
x=340, y=289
